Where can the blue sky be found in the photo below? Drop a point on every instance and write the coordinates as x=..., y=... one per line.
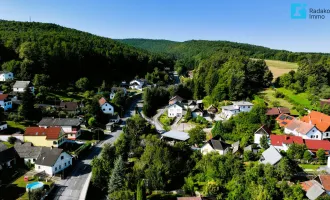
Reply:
x=260, y=22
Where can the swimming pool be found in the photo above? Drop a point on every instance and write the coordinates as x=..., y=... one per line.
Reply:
x=34, y=185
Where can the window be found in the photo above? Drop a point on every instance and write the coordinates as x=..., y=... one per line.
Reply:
x=103, y=109
x=34, y=160
x=65, y=164
x=62, y=157
x=317, y=136
x=54, y=142
x=248, y=106
x=327, y=134
x=60, y=167
x=68, y=162
x=38, y=167
x=313, y=130
x=55, y=169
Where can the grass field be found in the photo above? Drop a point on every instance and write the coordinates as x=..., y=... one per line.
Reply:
x=67, y=96
x=16, y=125
x=299, y=99
x=280, y=67
x=309, y=166
x=268, y=96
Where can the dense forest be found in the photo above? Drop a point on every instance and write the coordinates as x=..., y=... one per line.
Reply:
x=66, y=55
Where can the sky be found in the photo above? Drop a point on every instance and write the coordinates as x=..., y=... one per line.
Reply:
x=260, y=22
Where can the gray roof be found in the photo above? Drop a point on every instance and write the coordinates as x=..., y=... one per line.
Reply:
x=48, y=156
x=3, y=147
x=315, y=191
x=177, y=135
x=235, y=146
x=21, y=84
x=271, y=156
x=230, y=107
x=242, y=103
x=7, y=155
x=26, y=150
x=59, y=122
x=248, y=148
x=218, y=144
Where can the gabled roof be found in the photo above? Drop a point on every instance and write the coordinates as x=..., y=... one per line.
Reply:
x=264, y=129
x=26, y=150
x=230, y=107
x=59, y=122
x=176, y=104
x=271, y=156
x=196, y=109
x=4, y=72
x=102, y=101
x=272, y=111
x=299, y=126
x=306, y=185
x=317, y=144
x=3, y=97
x=177, y=98
x=218, y=144
x=212, y=109
x=177, y=135
x=48, y=156
x=320, y=120
x=21, y=84
x=325, y=181
x=69, y=106
x=279, y=140
x=242, y=103
x=3, y=147
x=284, y=119
x=51, y=133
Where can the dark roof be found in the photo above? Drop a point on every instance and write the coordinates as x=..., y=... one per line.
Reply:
x=69, y=106
x=212, y=109
x=218, y=144
x=177, y=98
x=284, y=110
x=59, y=122
x=7, y=155
x=26, y=150
x=192, y=102
x=3, y=147
x=48, y=156
x=196, y=109
x=277, y=111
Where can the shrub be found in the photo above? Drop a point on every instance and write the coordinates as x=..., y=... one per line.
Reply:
x=11, y=140
x=279, y=94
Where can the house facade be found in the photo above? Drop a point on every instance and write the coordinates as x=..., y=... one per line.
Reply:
x=6, y=76
x=262, y=131
x=3, y=126
x=70, y=126
x=52, y=161
x=215, y=145
x=175, y=110
x=137, y=84
x=106, y=107
x=303, y=129
x=237, y=107
x=321, y=122
x=46, y=137
x=5, y=102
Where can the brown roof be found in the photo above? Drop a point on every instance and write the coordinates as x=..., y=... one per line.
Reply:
x=320, y=120
x=50, y=132
x=176, y=98
x=102, y=101
x=212, y=109
x=284, y=110
x=3, y=97
x=272, y=111
x=299, y=126
x=325, y=180
x=69, y=106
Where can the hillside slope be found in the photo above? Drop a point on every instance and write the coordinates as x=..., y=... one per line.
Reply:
x=66, y=54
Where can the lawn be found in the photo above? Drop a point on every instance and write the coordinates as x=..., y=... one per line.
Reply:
x=166, y=121
x=16, y=125
x=67, y=96
x=299, y=99
x=7, y=144
x=268, y=96
x=279, y=68
x=310, y=166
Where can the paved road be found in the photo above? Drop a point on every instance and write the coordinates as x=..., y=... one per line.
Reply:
x=71, y=187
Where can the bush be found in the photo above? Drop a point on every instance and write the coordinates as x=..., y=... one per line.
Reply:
x=11, y=140
x=279, y=94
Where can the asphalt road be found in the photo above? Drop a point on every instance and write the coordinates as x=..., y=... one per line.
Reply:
x=71, y=187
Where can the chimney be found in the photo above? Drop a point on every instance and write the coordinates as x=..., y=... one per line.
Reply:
x=310, y=120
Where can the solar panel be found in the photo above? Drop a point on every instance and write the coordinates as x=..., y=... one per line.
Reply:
x=282, y=117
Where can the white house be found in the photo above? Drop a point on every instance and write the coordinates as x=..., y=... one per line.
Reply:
x=5, y=102
x=106, y=107
x=215, y=145
x=52, y=161
x=70, y=126
x=27, y=152
x=114, y=90
x=175, y=110
x=6, y=76
x=303, y=129
x=237, y=107
x=321, y=121
x=20, y=86
x=262, y=131
x=3, y=126
x=137, y=84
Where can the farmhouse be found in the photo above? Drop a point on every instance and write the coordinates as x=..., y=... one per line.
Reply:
x=52, y=160
x=70, y=126
x=175, y=110
x=47, y=137
x=237, y=107
x=5, y=102
x=20, y=86
x=6, y=76
x=106, y=107
x=303, y=129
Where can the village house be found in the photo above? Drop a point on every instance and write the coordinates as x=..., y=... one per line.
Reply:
x=5, y=102
x=270, y=156
x=313, y=189
x=174, y=136
x=52, y=160
x=262, y=131
x=70, y=126
x=196, y=111
x=175, y=99
x=7, y=156
x=175, y=110
x=216, y=145
x=212, y=110
x=321, y=121
x=137, y=84
x=47, y=137
x=106, y=107
x=284, y=119
x=69, y=107
x=114, y=90
x=6, y=76
x=303, y=129
x=237, y=107
x=27, y=152
x=20, y=86
x=277, y=111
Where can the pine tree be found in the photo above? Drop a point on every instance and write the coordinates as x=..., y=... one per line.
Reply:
x=27, y=109
x=116, y=180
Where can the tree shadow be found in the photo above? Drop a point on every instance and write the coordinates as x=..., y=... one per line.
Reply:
x=11, y=192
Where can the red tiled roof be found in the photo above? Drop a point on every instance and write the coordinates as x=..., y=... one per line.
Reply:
x=320, y=120
x=299, y=126
x=325, y=180
x=50, y=132
x=3, y=97
x=284, y=119
x=317, y=144
x=102, y=101
x=278, y=140
x=307, y=184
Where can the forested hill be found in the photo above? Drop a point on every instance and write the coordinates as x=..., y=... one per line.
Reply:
x=66, y=54
x=201, y=49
